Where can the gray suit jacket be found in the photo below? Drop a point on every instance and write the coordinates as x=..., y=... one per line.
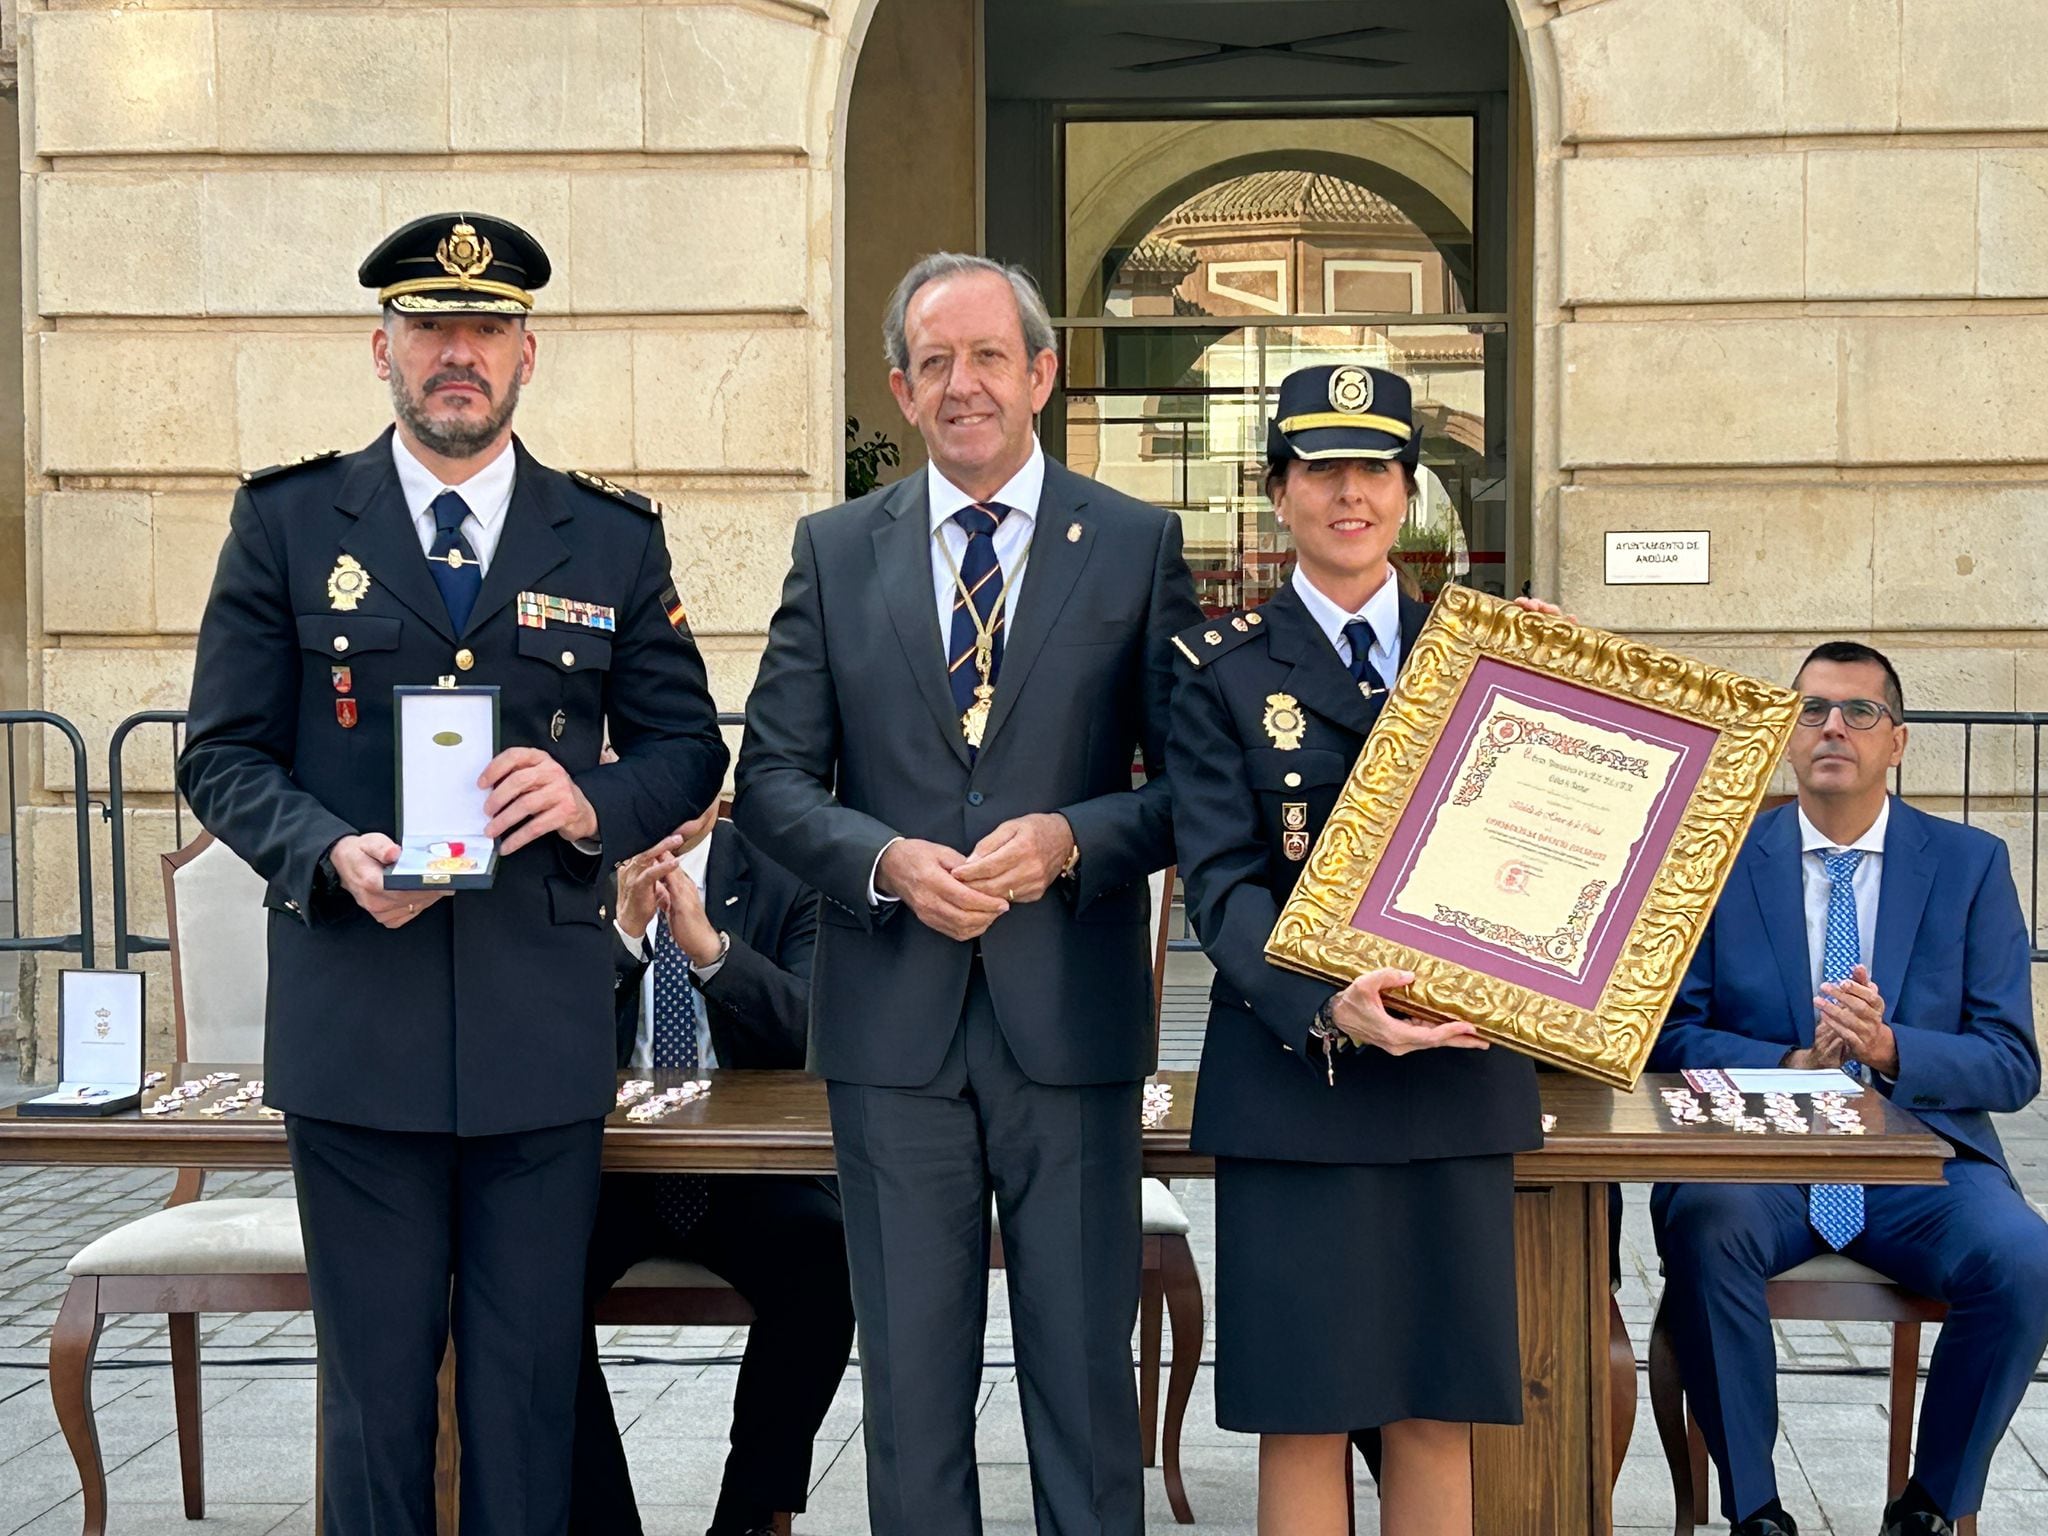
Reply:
x=853, y=738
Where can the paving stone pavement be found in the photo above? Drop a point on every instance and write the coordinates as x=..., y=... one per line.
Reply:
x=673, y=1391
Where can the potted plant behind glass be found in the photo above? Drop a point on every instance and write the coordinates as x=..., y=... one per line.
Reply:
x=865, y=461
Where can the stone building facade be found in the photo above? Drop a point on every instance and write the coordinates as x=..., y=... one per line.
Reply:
x=1782, y=276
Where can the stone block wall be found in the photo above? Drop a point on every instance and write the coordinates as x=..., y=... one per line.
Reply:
x=200, y=184
x=1792, y=289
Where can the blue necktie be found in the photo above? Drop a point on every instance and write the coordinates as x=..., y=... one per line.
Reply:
x=1836, y=1210
x=680, y=1198
x=456, y=571
x=983, y=578
x=1363, y=672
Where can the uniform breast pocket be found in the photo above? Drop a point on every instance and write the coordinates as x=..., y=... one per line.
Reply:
x=339, y=636
x=1277, y=772
x=566, y=650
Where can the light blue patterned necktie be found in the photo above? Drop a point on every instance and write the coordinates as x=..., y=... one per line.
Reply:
x=1836, y=1210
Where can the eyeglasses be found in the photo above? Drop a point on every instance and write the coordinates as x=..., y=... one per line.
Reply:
x=1857, y=714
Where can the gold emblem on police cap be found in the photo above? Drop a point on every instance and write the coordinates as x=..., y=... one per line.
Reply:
x=347, y=584
x=1283, y=721
x=463, y=253
x=1351, y=389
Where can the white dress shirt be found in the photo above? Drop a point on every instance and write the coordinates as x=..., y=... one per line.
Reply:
x=1012, y=536
x=694, y=864
x=1813, y=883
x=1382, y=611
x=487, y=493
x=1020, y=493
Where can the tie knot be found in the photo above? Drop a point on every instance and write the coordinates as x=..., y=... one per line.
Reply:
x=1360, y=634
x=449, y=511
x=983, y=518
x=1841, y=865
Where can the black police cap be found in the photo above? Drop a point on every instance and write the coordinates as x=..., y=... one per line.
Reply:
x=1344, y=411
x=457, y=263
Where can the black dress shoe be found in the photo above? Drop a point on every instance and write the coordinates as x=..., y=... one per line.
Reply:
x=1915, y=1522
x=1774, y=1523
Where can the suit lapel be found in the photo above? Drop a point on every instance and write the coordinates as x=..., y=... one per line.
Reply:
x=384, y=539
x=1053, y=567
x=727, y=890
x=1902, y=890
x=1775, y=878
x=903, y=563
x=1318, y=679
x=528, y=546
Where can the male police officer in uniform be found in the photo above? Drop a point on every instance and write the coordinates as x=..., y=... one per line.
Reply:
x=445, y=1062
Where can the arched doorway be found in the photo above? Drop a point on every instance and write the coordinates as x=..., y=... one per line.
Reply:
x=1071, y=137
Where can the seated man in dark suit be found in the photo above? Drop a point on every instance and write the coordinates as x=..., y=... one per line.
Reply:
x=714, y=963
x=1856, y=932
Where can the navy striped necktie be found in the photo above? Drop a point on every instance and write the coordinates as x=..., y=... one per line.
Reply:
x=983, y=578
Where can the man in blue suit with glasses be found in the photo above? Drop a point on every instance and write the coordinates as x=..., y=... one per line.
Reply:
x=1858, y=933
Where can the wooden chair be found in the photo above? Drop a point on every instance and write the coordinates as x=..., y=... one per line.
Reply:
x=1830, y=1288
x=194, y=1255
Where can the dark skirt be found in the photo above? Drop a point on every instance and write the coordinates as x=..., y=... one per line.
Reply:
x=1354, y=1295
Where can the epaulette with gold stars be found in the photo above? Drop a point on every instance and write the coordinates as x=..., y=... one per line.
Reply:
x=1216, y=637
x=616, y=491
x=271, y=472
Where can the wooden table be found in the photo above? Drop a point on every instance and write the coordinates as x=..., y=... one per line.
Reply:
x=1551, y=1476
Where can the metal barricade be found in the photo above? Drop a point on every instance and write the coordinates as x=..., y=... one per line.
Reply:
x=125, y=942
x=1970, y=721
x=80, y=943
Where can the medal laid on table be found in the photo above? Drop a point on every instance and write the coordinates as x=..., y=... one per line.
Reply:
x=974, y=722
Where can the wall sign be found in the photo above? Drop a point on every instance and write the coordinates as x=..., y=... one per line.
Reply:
x=1656, y=558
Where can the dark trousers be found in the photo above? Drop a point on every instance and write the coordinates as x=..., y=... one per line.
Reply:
x=916, y=1170
x=413, y=1238
x=779, y=1243
x=1972, y=1241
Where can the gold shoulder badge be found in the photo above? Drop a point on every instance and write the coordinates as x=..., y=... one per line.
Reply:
x=616, y=491
x=1216, y=637
x=1283, y=721
x=347, y=584
x=271, y=472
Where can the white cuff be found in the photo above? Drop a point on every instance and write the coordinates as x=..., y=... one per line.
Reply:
x=875, y=897
x=642, y=948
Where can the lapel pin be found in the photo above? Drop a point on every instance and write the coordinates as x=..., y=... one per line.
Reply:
x=1073, y=533
x=730, y=900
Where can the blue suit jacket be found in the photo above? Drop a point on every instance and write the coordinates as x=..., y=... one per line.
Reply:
x=1950, y=958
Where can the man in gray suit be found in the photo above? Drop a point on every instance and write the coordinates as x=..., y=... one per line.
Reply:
x=961, y=671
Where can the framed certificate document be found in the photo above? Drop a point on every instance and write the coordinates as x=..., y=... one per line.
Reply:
x=1538, y=828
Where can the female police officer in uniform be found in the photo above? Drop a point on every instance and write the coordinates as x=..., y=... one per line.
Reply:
x=1365, y=1247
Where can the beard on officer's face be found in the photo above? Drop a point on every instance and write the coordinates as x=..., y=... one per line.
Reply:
x=452, y=437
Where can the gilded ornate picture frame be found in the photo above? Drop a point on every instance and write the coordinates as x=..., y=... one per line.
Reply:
x=1538, y=828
